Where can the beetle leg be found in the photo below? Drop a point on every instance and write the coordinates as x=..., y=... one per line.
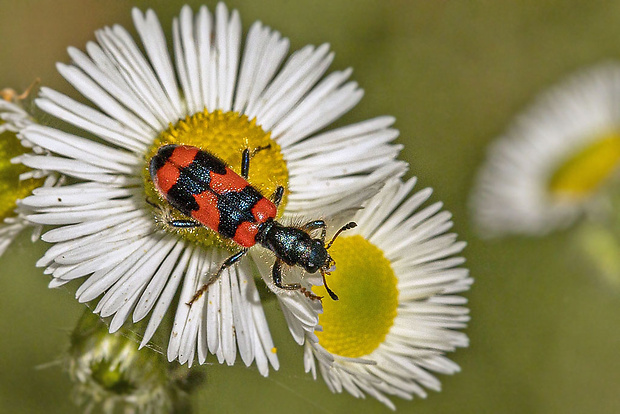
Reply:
x=245, y=163
x=259, y=149
x=277, y=280
x=316, y=224
x=276, y=273
x=227, y=263
x=276, y=197
x=165, y=218
x=245, y=159
x=184, y=224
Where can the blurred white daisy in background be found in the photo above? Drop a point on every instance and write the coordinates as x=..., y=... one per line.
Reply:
x=228, y=98
x=397, y=276
x=111, y=375
x=16, y=180
x=555, y=159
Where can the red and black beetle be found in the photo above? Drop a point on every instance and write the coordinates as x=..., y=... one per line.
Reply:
x=203, y=188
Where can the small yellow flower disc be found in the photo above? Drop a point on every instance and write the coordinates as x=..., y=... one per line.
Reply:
x=587, y=170
x=356, y=324
x=11, y=188
x=225, y=135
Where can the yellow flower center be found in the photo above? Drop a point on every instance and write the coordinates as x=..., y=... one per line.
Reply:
x=225, y=135
x=11, y=188
x=586, y=171
x=357, y=324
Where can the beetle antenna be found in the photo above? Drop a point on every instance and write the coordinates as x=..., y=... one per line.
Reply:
x=346, y=227
x=331, y=292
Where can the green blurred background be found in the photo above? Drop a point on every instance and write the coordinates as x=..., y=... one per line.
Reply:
x=545, y=334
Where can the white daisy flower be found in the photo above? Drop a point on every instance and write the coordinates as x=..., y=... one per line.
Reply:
x=551, y=164
x=227, y=99
x=16, y=181
x=398, y=314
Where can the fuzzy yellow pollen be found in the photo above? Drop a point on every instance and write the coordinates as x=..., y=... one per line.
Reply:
x=356, y=324
x=586, y=171
x=11, y=187
x=225, y=135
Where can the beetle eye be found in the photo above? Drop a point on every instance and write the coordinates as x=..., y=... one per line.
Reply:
x=312, y=268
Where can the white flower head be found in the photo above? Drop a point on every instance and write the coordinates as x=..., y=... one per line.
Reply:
x=398, y=279
x=111, y=375
x=16, y=181
x=227, y=98
x=554, y=160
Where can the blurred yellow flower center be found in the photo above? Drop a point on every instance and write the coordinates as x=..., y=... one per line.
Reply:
x=357, y=324
x=225, y=135
x=587, y=170
x=11, y=188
